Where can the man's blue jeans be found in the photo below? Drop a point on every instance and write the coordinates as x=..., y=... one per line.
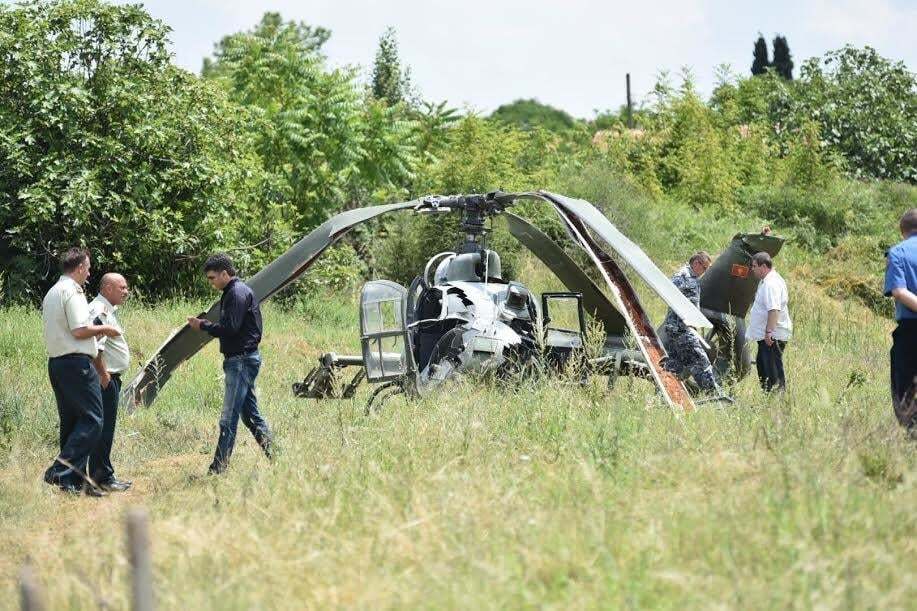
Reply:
x=240, y=400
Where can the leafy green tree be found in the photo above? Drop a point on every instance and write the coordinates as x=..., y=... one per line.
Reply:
x=309, y=38
x=761, y=62
x=530, y=114
x=866, y=108
x=390, y=82
x=106, y=144
x=783, y=61
x=316, y=133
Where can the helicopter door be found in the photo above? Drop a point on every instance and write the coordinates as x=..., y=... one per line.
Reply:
x=563, y=320
x=386, y=345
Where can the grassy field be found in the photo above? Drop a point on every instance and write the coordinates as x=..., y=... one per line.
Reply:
x=549, y=494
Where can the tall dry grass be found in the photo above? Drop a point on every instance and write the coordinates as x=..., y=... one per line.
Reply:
x=543, y=494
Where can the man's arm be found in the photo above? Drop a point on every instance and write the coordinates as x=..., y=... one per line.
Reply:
x=906, y=298
x=104, y=376
x=232, y=312
x=94, y=331
x=80, y=320
x=772, y=317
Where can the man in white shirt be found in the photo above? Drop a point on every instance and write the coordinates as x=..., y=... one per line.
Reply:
x=769, y=323
x=70, y=338
x=113, y=359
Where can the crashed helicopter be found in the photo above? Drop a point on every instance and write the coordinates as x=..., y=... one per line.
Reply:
x=460, y=315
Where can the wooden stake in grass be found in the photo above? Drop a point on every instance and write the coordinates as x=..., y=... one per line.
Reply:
x=29, y=590
x=138, y=543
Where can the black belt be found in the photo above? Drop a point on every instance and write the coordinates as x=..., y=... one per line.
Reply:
x=115, y=376
x=240, y=353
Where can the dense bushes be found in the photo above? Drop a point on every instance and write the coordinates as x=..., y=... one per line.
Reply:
x=104, y=143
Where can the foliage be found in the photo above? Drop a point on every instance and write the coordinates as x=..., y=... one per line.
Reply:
x=761, y=61
x=338, y=271
x=531, y=114
x=783, y=60
x=308, y=37
x=432, y=122
x=104, y=141
x=866, y=107
x=324, y=142
x=390, y=82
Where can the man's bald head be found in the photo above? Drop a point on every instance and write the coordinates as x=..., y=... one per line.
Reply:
x=114, y=288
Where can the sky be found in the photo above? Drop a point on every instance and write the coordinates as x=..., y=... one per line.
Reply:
x=574, y=55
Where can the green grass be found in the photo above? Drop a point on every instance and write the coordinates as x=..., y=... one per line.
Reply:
x=548, y=494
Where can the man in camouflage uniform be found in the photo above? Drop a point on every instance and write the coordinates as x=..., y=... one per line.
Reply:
x=682, y=344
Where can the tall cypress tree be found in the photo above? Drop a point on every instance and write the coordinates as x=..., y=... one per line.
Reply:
x=760, y=63
x=783, y=61
x=387, y=83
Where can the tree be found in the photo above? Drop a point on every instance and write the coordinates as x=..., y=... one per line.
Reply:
x=783, y=61
x=528, y=114
x=308, y=38
x=866, y=108
x=321, y=140
x=761, y=62
x=106, y=144
x=390, y=82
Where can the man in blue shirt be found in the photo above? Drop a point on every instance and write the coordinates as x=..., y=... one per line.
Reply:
x=239, y=332
x=901, y=283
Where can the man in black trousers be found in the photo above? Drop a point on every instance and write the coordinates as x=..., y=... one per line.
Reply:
x=113, y=360
x=239, y=332
x=769, y=323
x=70, y=338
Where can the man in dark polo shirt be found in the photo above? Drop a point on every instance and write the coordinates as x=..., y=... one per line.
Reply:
x=901, y=283
x=239, y=332
x=70, y=339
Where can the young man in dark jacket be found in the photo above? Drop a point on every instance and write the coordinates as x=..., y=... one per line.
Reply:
x=239, y=332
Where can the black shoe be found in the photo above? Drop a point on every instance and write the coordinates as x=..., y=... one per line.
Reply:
x=215, y=469
x=87, y=489
x=94, y=491
x=115, y=485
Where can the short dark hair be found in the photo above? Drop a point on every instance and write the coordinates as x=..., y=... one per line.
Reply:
x=908, y=222
x=218, y=263
x=762, y=258
x=700, y=256
x=73, y=258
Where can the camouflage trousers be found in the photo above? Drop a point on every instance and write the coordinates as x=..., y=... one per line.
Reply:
x=687, y=354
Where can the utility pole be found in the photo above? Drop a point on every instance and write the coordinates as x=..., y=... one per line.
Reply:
x=630, y=106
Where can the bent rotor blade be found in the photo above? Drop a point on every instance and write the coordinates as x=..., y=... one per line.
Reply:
x=599, y=225
x=567, y=271
x=622, y=292
x=186, y=342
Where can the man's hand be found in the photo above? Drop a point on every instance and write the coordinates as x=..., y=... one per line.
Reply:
x=108, y=331
x=104, y=379
x=769, y=338
x=195, y=323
